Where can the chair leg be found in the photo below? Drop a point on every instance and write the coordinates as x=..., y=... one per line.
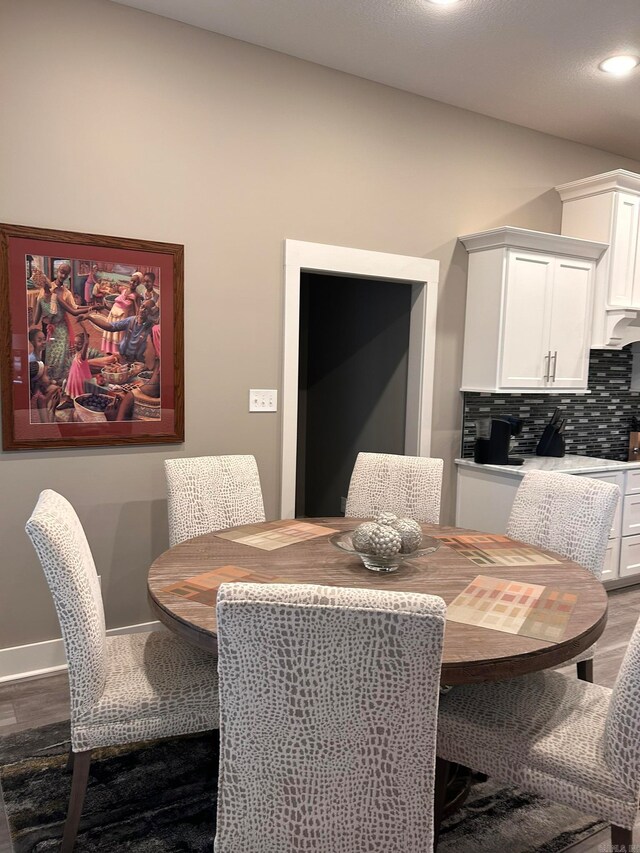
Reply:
x=81, y=764
x=585, y=670
x=440, y=796
x=69, y=767
x=621, y=839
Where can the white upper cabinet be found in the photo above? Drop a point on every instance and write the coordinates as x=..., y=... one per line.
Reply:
x=525, y=332
x=623, y=291
x=528, y=315
x=570, y=322
x=607, y=208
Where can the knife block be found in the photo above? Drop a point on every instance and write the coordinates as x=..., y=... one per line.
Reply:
x=551, y=442
x=634, y=447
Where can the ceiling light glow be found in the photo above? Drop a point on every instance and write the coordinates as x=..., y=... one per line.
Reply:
x=443, y=2
x=619, y=65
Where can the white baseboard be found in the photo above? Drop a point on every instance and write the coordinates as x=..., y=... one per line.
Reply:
x=45, y=658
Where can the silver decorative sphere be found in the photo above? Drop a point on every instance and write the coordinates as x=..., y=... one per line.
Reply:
x=385, y=540
x=410, y=534
x=361, y=537
x=386, y=518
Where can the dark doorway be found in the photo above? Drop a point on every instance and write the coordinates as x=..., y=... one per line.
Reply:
x=352, y=389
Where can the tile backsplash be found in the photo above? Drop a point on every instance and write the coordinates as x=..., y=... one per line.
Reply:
x=597, y=423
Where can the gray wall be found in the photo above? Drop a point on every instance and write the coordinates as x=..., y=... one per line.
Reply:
x=118, y=122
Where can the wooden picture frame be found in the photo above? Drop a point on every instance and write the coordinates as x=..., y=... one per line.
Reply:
x=92, y=343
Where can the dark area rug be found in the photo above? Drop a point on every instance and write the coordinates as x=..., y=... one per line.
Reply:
x=147, y=798
x=159, y=797
x=495, y=819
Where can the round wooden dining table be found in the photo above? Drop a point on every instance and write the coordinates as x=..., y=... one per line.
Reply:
x=471, y=653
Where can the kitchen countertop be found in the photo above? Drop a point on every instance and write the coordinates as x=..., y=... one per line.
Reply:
x=568, y=464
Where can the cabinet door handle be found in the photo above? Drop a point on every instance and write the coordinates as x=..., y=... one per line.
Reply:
x=555, y=365
x=547, y=372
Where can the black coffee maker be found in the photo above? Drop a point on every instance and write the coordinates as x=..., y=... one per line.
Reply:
x=493, y=439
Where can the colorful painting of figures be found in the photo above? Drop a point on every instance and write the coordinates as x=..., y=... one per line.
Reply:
x=101, y=354
x=94, y=340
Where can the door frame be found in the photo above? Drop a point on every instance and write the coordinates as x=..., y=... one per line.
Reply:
x=422, y=273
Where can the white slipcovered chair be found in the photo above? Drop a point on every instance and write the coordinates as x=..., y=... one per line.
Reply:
x=125, y=688
x=408, y=486
x=570, y=741
x=572, y=516
x=328, y=707
x=208, y=493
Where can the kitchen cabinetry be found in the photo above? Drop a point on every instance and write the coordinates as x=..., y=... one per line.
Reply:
x=631, y=515
x=610, y=570
x=485, y=495
x=528, y=314
x=607, y=208
x=630, y=557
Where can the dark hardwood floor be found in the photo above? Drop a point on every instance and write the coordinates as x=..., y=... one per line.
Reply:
x=28, y=704
x=38, y=701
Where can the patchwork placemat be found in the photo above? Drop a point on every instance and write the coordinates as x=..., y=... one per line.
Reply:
x=489, y=549
x=275, y=534
x=204, y=588
x=527, y=609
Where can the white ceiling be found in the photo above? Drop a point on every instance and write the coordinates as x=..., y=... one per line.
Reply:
x=531, y=62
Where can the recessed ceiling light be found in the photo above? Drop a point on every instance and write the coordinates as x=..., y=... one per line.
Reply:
x=443, y=2
x=619, y=65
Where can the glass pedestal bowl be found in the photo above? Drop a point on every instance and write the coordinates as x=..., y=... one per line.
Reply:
x=375, y=562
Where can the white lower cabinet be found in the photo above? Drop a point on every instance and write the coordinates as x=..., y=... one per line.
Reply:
x=631, y=515
x=629, y=556
x=611, y=561
x=633, y=481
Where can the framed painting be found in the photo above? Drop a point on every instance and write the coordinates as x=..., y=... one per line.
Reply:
x=91, y=340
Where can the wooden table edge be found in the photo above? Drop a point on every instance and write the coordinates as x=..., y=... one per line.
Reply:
x=186, y=630
x=493, y=669
x=501, y=669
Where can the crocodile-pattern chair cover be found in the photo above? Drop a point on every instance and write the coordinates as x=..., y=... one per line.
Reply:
x=408, y=486
x=328, y=700
x=567, y=514
x=208, y=493
x=567, y=740
x=123, y=688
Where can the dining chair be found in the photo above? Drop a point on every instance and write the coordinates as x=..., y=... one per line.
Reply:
x=570, y=741
x=125, y=688
x=209, y=493
x=328, y=707
x=572, y=516
x=408, y=486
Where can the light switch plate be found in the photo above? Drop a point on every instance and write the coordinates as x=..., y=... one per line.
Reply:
x=263, y=400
